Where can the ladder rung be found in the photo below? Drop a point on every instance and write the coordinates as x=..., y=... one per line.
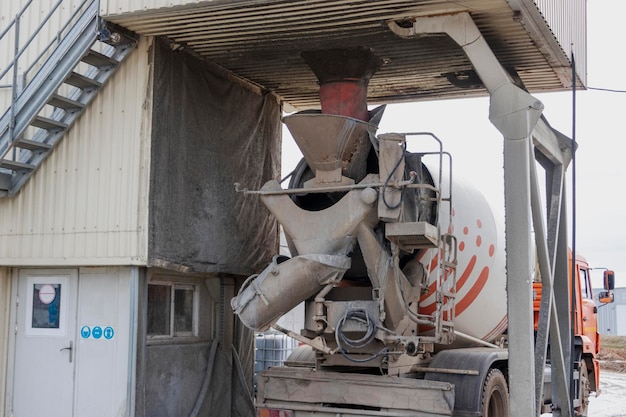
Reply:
x=33, y=145
x=99, y=60
x=82, y=82
x=65, y=103
x=16, y=165
x=48, y=124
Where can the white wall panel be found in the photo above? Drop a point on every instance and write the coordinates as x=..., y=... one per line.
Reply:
x=5, y=306
x=620, y=313
x=568, y=22
x=115, y=7
x=87, y=203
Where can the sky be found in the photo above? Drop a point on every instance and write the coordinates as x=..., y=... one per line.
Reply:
x=600, y=125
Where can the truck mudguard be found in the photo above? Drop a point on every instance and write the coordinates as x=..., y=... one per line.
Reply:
x=468, y=393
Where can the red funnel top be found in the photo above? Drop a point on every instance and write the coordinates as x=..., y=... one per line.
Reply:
x=344, y=75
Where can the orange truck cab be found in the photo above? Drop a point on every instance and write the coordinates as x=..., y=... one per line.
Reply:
x=586, y=335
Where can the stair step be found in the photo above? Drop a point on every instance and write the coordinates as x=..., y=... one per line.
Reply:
x=82, y=82
x=16, y=165
x=99, y=60
x=65, y=103
x=48, y=124
x=33, y=145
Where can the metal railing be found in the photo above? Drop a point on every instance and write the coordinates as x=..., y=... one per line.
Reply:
x=36, y=57
x=13, y=28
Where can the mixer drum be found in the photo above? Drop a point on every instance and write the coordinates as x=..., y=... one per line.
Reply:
x=480, y=307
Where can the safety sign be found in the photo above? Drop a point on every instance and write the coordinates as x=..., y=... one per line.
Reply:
x=108, y=332
x=97, y=332
x=85, y=332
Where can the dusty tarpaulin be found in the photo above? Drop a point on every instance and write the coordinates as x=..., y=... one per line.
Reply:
x=208, y=133
x=198, y=380
x=229, y=390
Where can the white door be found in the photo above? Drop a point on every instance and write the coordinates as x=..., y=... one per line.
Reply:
x=45, y=343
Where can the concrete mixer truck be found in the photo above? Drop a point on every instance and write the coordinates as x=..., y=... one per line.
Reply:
x=401, y=268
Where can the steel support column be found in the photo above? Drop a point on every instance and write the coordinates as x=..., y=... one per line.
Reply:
x=516, y=114
x=516, y=127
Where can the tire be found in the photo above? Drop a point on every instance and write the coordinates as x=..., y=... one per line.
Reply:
x=495, y=397
x=583, y=389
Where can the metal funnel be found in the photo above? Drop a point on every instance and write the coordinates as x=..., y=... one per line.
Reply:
x=336, y=141
x=332, y=145
x=344, y=75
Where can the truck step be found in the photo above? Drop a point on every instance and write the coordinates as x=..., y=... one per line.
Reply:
x=412, y=235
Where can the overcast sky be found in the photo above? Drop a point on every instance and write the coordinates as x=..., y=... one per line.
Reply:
x=476, y=145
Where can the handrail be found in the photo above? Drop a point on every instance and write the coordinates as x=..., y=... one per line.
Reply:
x=19, y=14
x=17, y=89
x=16, y=23
x=36, y=32
x=59, y=35
x=19, y=51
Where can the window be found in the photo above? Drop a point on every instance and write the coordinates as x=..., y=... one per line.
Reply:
x=584, y=284
x=46, y=305
x=172, y=310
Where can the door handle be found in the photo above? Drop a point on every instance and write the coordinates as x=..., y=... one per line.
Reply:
x=70, y=348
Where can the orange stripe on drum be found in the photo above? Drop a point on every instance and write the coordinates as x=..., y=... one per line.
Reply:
x=434, y=263
x=459, y=284
x=468, y=270
x=471, y=295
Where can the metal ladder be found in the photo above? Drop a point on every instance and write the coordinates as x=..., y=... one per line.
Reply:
x=74, y=68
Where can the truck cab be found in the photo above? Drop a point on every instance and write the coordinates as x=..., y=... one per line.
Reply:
x=585, y=327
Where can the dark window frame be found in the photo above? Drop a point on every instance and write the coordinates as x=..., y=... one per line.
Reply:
x=168, y=329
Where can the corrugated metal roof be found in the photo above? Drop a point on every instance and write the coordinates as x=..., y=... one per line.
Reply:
x=261, y=41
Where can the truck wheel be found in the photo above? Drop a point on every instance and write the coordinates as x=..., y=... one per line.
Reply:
x=495, y=399
x=583, y=389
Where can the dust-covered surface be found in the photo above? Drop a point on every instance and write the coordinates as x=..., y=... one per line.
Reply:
x=612, y=354
x=209, y=133
x=610, y=402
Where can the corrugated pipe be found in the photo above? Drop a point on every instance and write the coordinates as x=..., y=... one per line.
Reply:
x=207, y=380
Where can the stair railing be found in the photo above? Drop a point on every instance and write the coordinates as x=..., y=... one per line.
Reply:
x=18, y=80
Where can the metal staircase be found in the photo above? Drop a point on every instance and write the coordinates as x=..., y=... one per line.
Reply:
x=74, y=67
